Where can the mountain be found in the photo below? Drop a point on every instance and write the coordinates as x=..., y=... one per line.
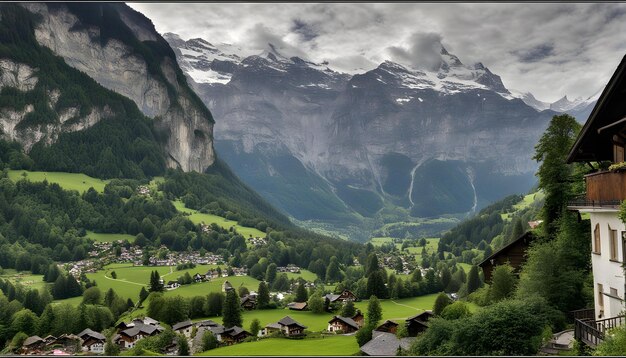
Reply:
x=443, y=138
x=579, y=108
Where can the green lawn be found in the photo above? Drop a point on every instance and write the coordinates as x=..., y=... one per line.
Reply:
x=327, y=346
x=100, y=237
x=305, y=274
x=26, y=279
x=399, y=310
x=523, y=204
x=69, y=181
x=431, y=244
x=197, y=217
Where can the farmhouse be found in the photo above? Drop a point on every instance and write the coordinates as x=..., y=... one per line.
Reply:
x=386, y=344
x=171, y=285
x=514, y=254
x=33, y=345
x=342, y=324
x=130, y=333
x=248, y=302
x=183, y=328
x=287, y=326
x=603, y=138
x=234, y=335
x=344, y=296
x=92, y=341
x=388, y=326
x=200, y=278
x=298, y=306
x=418, y=323
x=226, y=286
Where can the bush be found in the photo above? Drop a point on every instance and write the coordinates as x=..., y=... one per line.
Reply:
x=456, y=310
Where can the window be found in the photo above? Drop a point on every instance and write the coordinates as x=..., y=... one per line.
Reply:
x=618, y=153
x=596, y=239
x=600, y=295
x=614, y=292
x=613, y=243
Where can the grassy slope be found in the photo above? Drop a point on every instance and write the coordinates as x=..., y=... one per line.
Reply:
x=197, y=217
x=26, y=279
x=69, y=181
x=431, y=244
x=100, y=237
x=526, y=202
x=327, y=346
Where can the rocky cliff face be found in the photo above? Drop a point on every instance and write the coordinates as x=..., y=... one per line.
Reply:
x=342, y=144
x=120, y=65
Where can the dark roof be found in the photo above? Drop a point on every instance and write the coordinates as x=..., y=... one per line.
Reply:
x=387, y=323
x=32, y=340
x=88, y=332
x=422, y=316
x=385, y=344
x=235, y=331
x=592, y=145
x=349, y=321
x=527, y=235
x=181, y=325
x=288, y=321
x=297, y=305
x=332, y=297
x=207, y=323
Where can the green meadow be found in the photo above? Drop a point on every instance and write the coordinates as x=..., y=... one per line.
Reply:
x=197, y=217
x=431, y=244
x=26, y=279
x=305, y=274
x=69, y=181
x=327, y=346
x=101, y=237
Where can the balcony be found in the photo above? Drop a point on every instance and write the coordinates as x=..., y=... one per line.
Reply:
x=606, y=188
x=592, y=332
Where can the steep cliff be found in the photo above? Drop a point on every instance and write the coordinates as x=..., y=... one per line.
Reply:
x=122, y=51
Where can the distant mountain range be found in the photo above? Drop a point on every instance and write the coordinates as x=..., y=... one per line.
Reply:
x=336, y=148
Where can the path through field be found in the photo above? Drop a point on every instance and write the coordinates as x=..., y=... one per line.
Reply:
x=126, y=281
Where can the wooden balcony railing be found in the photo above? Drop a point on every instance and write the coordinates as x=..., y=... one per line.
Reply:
x=593, y=332
x=606, y=187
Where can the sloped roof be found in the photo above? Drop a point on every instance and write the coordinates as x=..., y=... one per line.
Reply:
x=527, y=235
x=332, y=297
x=32, y=340
x=181, y=325
x=388, y=323
x=385, y=344
x=297, y=305
x=422, y=316
x=288, y=321
x=235, y=330
x=93, y=334
x=207, y=323
x=347, y=320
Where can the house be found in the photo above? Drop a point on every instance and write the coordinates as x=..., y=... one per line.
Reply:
x=206, y=323
x=234, y=335
x=298, y=306
x=33, y=345
x=171, y=285
x=92, y=341
x=342, y=324
x=358, y=318
x=386, y=344
x=127, y=338
x=199, y=277
x=183, y=328
x=287, y=326
x=388, y=326
x=66, y=342
x=418, y=323
x=248, y=302
x=344, y=296
x=227, y=286
x=603, y=139
x=514, y=254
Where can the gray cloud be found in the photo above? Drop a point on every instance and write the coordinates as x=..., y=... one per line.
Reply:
x=549, y=49
x=424, y=51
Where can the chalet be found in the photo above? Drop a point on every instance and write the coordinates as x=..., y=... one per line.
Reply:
x=388, y=326
x=342, y=324
x=171, y=285
x=602, y=139
x=248, y=302
x=206, y=323
x=287, y=326
x=49, y=339
x=298, y=306
x=418, y=323
x=234, y=335
x=386, y=344
x=33, y=345
x=92, y=341
x=183, y=328
x=66, y=342
x=227, y=286
x=127, y=338
x=514, y=254
x=199, y=277
x=344, y=296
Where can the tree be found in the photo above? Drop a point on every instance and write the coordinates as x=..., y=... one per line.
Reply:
x=446, y=276
x=502, y=283
x=441, y=302
x=316, y=303
x=473, y=281
x=25, y=321
x=209, y=341
x=255, y=327
x=301, y=293
x=156, y=284
x=183, y=345
x=110, y=348
x=263, y=295
x=92, y=296
x=232, y=310
x=376, y=284
x=270, y=273
x=333, y=274
x=455, y=310
x=348, y=309
x=374, y=311
x=417, y=275
x=281, y=283
x=371, y=264
x=555, y=175
x=364, y=334
x=143, y=294
x=114, y=275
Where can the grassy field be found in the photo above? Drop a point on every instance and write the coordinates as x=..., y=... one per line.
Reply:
x=523, y=204
x=100, y=237
x=399, y=310
x=305, y=274
x=327, y=346
x=431, y=244
x=69, y=181
x=26, y=279
x=197, y=217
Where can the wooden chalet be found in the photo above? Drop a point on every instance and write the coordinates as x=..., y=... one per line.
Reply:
x=127, y=338
x=344, y=296
x=514, y=254
x=418, y=323
x=234, y=335
x=200, y=277
x=388, y=326
x=227, y=286
x=92, y=341
x=183, y=328
x=287, y=326
x=248, y=302
x=298, y=306
x=342, y=324
x=33, y=345
x=359, y=318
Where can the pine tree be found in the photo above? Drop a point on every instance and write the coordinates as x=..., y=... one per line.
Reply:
x=143, y=294
x=155, y=282
x=183, y=345
x=232, y=310
x=263, y=295
x=376, y=285
x=348, y=309
x=441, y=302
x=301, y=294
x=473, y=281
x=255, y=327
x=374, y=312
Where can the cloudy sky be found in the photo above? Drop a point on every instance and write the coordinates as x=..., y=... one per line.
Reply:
x=550, y=50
